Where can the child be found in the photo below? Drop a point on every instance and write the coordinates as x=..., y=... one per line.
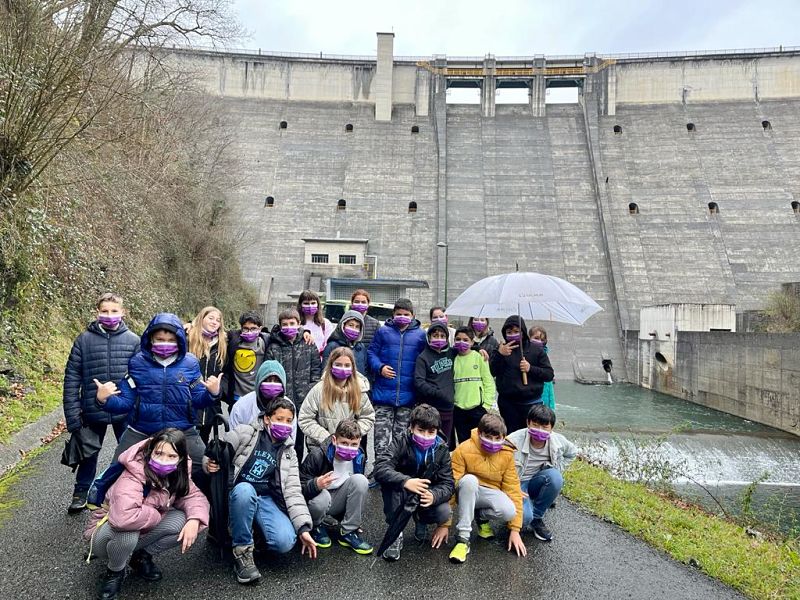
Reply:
x=102, y=351
x=270, y=385
x=433, y=377
x=247, y=350
x=266, y=489
x=513, y=358
x=474, y=385
x=418, y=462
x=314, y=321
x=211, y=349
x=541, y=458
x=349, y=333
x=153, y=506
x=163, y=388
x=392, y=360
x=483, y=339
x=539, y=337
x=437, y=315
x=300, y=361
x=359, y=302
x=342, y=394
x=486, y=482
x=334, y=484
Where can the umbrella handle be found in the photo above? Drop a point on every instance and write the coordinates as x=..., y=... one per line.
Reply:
x=524, y=379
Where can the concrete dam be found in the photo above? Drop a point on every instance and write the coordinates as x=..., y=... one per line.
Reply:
x=673, y=179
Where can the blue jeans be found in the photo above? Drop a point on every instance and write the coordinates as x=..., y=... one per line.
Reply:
x=247, y=506
x=542, y=491
x=87, y=469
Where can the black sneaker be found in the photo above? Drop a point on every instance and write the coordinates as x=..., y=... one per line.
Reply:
x=392, y=553
x=110, y=584
x=420, y=532
x=541, y=531
x=142, y=565
x=78, y=503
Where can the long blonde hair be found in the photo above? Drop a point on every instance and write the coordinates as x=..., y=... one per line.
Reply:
x=199, y=345
x=351, y=391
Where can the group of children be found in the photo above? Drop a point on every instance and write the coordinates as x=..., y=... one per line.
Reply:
x=308, y=383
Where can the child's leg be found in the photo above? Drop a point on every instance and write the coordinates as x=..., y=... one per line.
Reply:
x=276, y=525
x=349, y=500
x=402, y=419
x=436, y=515
x=243, y=504
x=447, y=427
x=466, y=496
x=527, y=506
x=129, y=438
x=319, y=506
x=116, y=546
x=164, y=535
x=87, y=469
x=196, y=449
x=384, y=421
x=494, y=504
x=543, y=490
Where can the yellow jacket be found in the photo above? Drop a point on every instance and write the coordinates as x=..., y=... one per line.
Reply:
x=496, y=471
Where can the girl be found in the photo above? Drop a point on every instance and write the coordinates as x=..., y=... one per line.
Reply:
x=474, y=386
x=359, y=301
x=539, y=337
x=152, y=507
x=312, y=319
x=211, y=349
x=349, y=333
x=341, y=394
x=483, y=339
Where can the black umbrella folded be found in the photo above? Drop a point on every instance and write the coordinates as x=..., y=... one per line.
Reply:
x=81, y=444
x=220, y=483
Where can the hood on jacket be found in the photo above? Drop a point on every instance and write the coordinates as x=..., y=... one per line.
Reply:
x=136, y=467
x=267, y=368
x=339, y=333
x=168, y=322
x=519, y=322
x=440, y=327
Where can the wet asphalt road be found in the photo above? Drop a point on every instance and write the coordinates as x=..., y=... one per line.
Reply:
x=41, y=557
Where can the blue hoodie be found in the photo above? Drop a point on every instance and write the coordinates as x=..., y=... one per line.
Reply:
x=156, y=396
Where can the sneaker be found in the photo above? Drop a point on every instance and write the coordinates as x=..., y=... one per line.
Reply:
x=111, y=584
x=78, y=503
x=352, y=540
x=244, y=566
x=142, y=565
x=420, y=532
x=459, y=552
x=541, y=531
x=485, y=530
x=321, y=537
x=392, y=553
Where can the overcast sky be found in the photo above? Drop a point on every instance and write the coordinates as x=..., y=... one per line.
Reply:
x=517, y=27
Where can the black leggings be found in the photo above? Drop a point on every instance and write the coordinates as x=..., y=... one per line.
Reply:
x=466, y=420
x=515, y=414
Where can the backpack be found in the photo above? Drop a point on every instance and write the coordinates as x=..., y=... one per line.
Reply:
x=96, y=495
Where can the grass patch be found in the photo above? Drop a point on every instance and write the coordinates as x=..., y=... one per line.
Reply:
x=18, y=410
x=758, y=567
x=10, y=478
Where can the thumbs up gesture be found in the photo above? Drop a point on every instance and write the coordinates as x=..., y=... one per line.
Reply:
x=104, y=390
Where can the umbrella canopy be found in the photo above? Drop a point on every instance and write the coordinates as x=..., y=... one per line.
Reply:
x=533, y=296
x=81, y=444
x=219, y=485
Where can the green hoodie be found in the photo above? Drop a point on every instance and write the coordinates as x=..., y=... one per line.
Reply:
x=474, y=382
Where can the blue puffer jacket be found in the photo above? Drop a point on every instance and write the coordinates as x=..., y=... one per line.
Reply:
x=96, y=354
x=157, y=396
x=399, y=350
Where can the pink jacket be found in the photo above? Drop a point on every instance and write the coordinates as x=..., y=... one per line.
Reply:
x=129, y=510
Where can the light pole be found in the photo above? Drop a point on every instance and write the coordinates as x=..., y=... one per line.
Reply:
x=446, y=253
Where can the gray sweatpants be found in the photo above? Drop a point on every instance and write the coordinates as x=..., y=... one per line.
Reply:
x=390, y=423
x=489, y=503
x=345, y=503
x=118, y=546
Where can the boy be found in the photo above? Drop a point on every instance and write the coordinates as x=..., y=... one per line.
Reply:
x=392, y=357
x=300, y=361
x=334, y=484
x=418, y=462
x=474, y=385
x=270, y=384
x=541, y=457
x=266, y=489
x=246, y=351
x=487, y=482
x=433, y=377
x=100, y=352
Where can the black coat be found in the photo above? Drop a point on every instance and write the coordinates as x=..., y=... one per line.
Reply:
x=209, y=366
x=96, y=354
x=401, y=465
x=371, y=325
x=300, y=361
x=489, y=344
x=506, y=368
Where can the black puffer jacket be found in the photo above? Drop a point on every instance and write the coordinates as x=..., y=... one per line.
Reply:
x=96, y=354
x=371, y=325
x=489, y=344
x=506, y=368
x=300, y=361
x=209, y=366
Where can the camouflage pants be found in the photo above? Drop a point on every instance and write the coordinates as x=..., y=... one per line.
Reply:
x=390, y=423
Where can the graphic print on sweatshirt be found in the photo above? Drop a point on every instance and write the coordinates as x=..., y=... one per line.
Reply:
x=260, y=468
x=442, y=365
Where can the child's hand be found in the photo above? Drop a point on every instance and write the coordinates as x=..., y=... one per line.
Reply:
x=388, y=372
x=188, y=534
x=440, y=535
x=212, y=384
x=105, y=390
x=508, y=348
x=308, y=338
x=515, y=542
x=524, y=366
x=426, y=499
x=417, y=486
x=308, y=545
x=484, y=354
x=211, y=466
x=323, y=482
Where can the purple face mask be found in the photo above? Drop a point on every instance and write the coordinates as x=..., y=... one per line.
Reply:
x=442, y=320
x=161, y=469
x=280, y=431
x=164, y=349
x=310, y=309
x=438, y=344
x=401, y=320
x=109, y=321
x=423, y=442
x=491, y=446
x=362, y=308
x=462, y=346
x=249, y=336
x=341, y=373
x=271, y=389
x=513, y=337
x=536, y=342
x=478, y=326
x=346, y=452
x=538, y=435
x=290, y=331
x=209, y=335
x=351, y=333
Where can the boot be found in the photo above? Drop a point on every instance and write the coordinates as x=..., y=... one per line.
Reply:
x=111, y=584
x=244, y=565
x=142, y=564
